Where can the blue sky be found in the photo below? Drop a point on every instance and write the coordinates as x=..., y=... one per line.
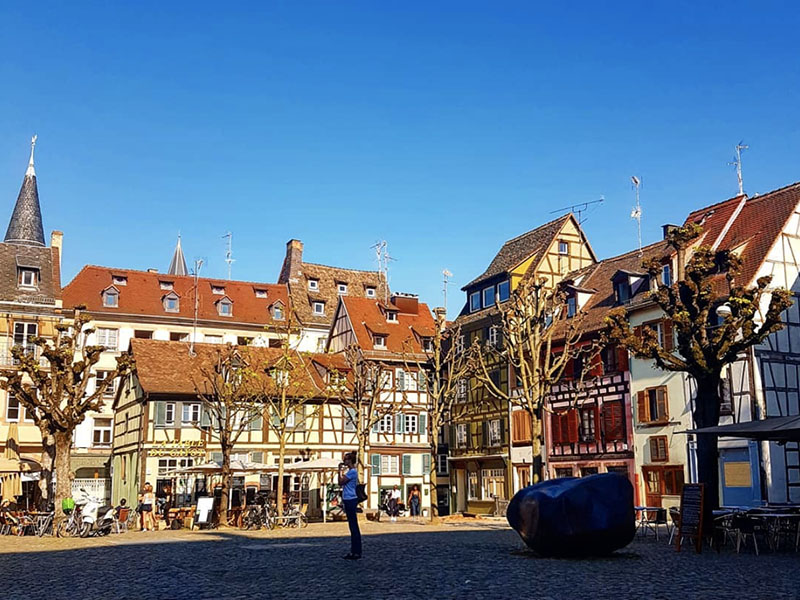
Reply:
x=444, y=128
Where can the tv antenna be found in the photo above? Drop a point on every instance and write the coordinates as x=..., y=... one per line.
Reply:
x=446, y=275
x=737, y=162
x=229, y=252
x=198, y=263
x=382, y=256
x=636, y=213
x=579, y=209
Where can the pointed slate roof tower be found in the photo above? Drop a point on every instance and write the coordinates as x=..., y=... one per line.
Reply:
x=25, y=227
x=177, y=265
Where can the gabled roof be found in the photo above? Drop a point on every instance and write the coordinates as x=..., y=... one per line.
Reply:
x=758, y=226
x=714, y=219
x=520, y=248
x=403, y=337
x=142, y=295
x=168, y=367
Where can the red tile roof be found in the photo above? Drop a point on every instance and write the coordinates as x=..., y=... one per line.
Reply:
x=713, y=219
x=366, y=315
x=142, y=295
x=758, y=226
x=168, y=368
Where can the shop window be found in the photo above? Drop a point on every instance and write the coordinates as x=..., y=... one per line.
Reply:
x=564, y=472
x=493, y=483
x=472, y=485
x=586, y=471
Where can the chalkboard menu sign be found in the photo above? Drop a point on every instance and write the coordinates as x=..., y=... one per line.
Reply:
x=204, y=514
x=691, y=523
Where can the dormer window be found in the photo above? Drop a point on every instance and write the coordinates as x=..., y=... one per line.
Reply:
x=474, y=301
x=119, y=280
x=427, y=344
x=217, y=289
x=165, y=285
x=28, y=278
x=666, y=275
x=572, y=306
x=503, y=290
x=341, y=288
x=391, y=316
x=277, y=312
x=111, y=298
x=313, y=285
x=225, y=308
x=319, y=308
x=488, y=296
x=370, y=292
x=261, y=293
x=379, y=341
x=172, y=303
x=622, y=290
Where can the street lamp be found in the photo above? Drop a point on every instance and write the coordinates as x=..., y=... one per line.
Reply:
x=724, y=310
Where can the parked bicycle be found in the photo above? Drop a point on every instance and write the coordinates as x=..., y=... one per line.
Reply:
x=70, y=525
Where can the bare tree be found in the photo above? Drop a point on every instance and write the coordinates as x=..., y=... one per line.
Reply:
x=537, y=338
x=50, y=383
x=230, y=395
x=707, y=340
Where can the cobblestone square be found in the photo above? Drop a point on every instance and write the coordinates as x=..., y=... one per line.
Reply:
x=402, y=560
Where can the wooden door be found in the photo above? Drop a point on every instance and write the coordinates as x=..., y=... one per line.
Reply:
x=461, y=490
x=653, y=485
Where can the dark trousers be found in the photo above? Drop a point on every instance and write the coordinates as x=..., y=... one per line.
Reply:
x=393, y=512
x=350, y=507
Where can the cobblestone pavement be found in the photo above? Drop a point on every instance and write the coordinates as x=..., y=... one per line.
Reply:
x=402, y=560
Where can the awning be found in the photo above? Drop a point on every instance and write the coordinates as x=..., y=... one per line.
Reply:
x=776, y=429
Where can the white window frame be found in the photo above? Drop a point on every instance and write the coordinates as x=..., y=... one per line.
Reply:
x=493, y=482
x=192, y=411
x=442, y=464
x=486, y=301
x=261, y=293
x=321, y=342
x=390, y=464
x=461, y=389
x=107, y=430
x=22, y=412
x=27, y=274
x=411, y=423
x=166, y=285
x=119, y=279
x=172, y=298
x=101, y=376
x=318, y=308
x=313, y=285
x=401, y=380
x=391, y=316
x=341, y=288
x=494, y=432
x=563, y=248
x=494, y=336
x=472, y=485
x=218, y=290
x=220, y=310
x=107, y=295
x=379, y=341
x=461, y=435
x=386, y=424
x=472, y=307
x=103, y=337
x=212, y=339
x=370, y=292
x=277, y=312
x=169, y=414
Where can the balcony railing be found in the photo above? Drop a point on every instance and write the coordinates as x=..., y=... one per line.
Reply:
x=7, y=359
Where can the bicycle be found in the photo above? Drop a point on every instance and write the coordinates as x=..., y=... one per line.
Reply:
x=259, y=515
x=293, y=516
x=70, y=526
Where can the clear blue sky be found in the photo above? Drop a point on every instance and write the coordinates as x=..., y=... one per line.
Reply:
x=444, y=128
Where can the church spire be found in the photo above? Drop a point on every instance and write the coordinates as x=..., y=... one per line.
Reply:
x=25, y=227
x=177, y=265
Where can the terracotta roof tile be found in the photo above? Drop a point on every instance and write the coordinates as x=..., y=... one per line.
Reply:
x=142, y=294
x=365, y=315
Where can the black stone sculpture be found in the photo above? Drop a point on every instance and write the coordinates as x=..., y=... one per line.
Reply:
x=573, y=517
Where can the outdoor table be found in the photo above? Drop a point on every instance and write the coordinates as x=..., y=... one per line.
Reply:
x=772, y=524
x=645, y=522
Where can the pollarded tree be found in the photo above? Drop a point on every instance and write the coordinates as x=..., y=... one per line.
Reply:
x=227, y=386
x=707, y=339
x=51, y=384
x=537, y=340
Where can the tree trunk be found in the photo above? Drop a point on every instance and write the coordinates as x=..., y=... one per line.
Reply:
x=63, y=446
x=48, y=461
x=706, y=414
x=536, y=448
x=432, y=477
x=222, y=509
x=279, y=492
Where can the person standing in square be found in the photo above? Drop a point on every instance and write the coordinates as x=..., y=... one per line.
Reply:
x=348, y=479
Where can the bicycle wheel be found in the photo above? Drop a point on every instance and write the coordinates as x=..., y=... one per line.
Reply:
x=303, y=520
x=84, y=529
x=62, y=527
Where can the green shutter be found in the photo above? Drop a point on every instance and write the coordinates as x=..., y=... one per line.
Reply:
x=350, y=415
x=205, y=417
x=406, y=464
x=423, y=381
x=423, y=423
x=426, y=464
x=376, y=464
x=400, y=423
x=275, y=420
x=216, y=457
x=300, y=418
x=257, y=457
x=401, y=379
x=375, y=426
x=161, y=414
x=257, y=423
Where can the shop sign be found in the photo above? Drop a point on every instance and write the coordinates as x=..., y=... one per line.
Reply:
x=179, y=448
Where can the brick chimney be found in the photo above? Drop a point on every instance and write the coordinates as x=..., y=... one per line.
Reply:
x=406, y=303
x=440, y=316
x=290, y=270
x=57, y=241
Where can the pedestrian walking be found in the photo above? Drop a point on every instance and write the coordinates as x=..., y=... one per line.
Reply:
x=348, y=479
x=148, y=505
x=394, y=503
x=414, y=501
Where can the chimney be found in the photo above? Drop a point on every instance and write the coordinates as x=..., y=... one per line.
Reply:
x=291, y=263
x=667, y=229
x=406, y=303
x=440, y=316
x=152, y=270
x=57, y=241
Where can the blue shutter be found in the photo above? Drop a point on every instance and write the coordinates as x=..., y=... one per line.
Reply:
x=376, y=464
x=216, y=457
x=406, y=464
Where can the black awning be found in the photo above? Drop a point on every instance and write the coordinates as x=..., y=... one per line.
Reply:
x=777, y=429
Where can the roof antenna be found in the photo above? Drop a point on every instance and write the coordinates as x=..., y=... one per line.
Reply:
x=445, y=281
x=737, y=162
x=382, y=256
x=198, y=263
x=229, y=253
x=579, y=208
x=636, y=213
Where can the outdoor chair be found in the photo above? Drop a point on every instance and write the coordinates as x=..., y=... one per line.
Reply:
x=746, y=526
x=122, y=519
x=5, y=524
x=675, y=522
x=660, y=519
